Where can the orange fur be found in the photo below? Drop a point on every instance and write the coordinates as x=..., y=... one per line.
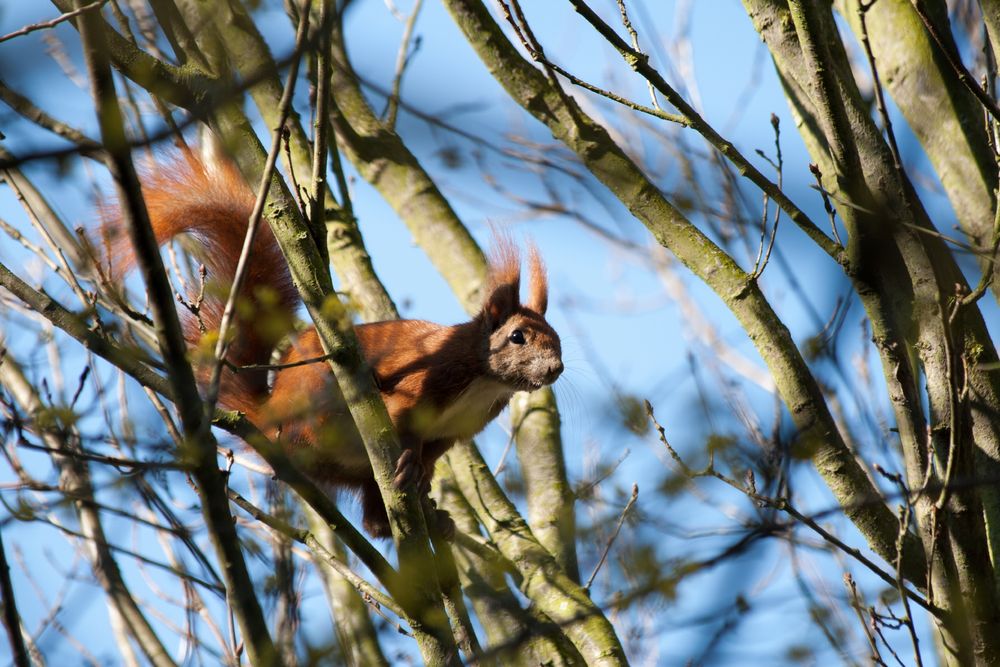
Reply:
x=439, y=383
x=214, y=206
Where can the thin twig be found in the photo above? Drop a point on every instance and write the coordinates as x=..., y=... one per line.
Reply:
x=897, y=162
x=66, y=271
x=858, y=606
x=878, y=622
x=278, y=367
x=44, y=25
x=124, y=466
x=306, y=538
x=986, y=254
x=536, y=53
x=635, y=44
x=321, y=122
x=532, y=45
x=761, y=262
x=84, y=145
x=402, y=60
x=827, y=206
x=904, y=521
x=635, y=106
x=293, y=179
x=216, y=588
x=611, y=540
x=990, y=268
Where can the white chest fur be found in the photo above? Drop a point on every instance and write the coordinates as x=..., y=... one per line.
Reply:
x=466, y=415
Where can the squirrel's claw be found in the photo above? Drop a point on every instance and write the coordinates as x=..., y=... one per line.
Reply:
x=409, y=469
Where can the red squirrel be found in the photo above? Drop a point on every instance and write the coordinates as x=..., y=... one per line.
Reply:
x=439, y=383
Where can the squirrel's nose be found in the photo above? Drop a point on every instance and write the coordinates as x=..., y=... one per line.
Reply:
x=555, y=369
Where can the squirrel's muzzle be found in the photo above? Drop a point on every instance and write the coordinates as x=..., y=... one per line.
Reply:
x=554, y=370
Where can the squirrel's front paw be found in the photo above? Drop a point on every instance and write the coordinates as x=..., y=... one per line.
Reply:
x=409, y=469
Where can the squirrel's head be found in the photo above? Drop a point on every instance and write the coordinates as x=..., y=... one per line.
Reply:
x=524, y=351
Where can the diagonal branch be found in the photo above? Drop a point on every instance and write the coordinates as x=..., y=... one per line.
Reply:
x=640, y=63
x=557, y=596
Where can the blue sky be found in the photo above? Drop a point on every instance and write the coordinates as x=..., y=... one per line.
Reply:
x=620, y=331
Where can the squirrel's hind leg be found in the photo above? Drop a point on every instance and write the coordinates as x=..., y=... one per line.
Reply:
x=374, y=518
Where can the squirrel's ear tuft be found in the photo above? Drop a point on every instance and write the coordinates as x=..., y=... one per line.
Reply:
x=538, y=296
x=504, y=281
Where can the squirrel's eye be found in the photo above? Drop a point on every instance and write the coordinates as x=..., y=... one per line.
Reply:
x=516, y=337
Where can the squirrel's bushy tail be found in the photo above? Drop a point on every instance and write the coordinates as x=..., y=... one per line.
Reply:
x=212, y=203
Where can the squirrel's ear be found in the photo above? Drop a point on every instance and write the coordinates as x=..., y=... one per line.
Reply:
x=501, y=303
x=538, y=296
x=504, y=282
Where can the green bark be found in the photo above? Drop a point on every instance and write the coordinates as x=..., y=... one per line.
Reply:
x=991, y=17
x=543, y=581
x=904, y=277
x=847, y=480
x=945, y=116
x=551, y=514
x=514, y=636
